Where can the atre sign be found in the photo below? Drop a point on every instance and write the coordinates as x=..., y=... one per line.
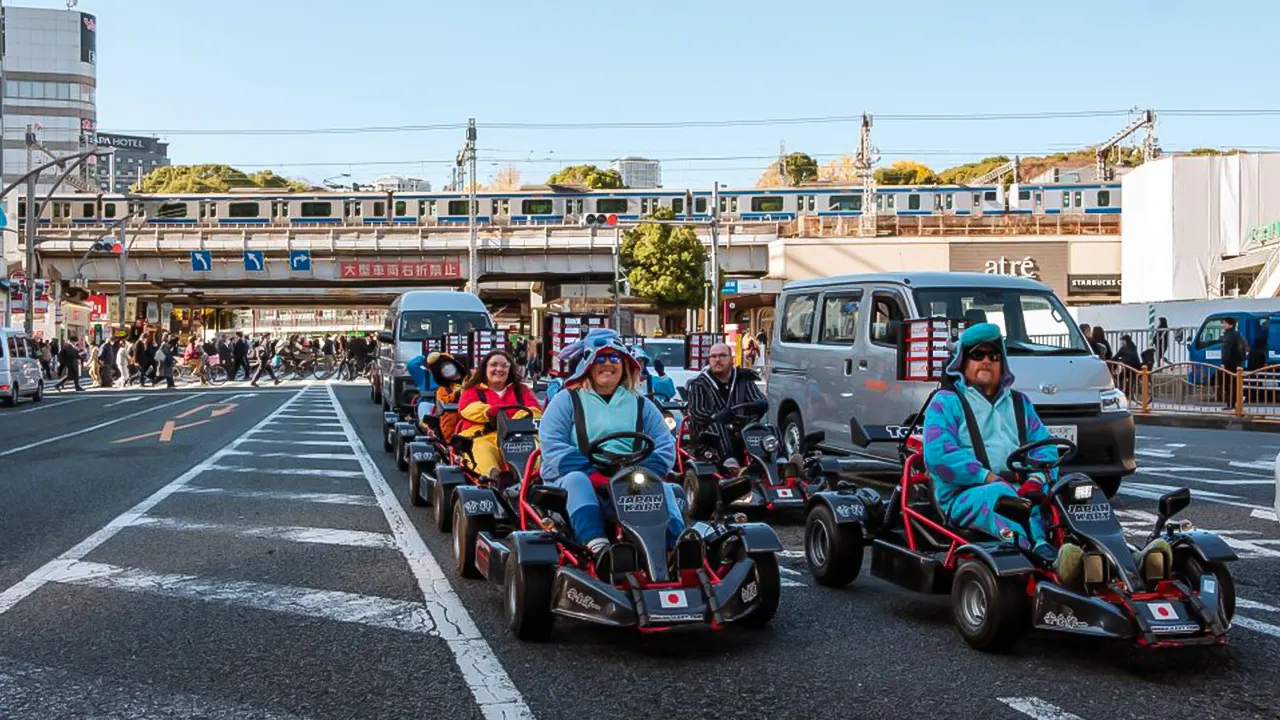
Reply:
x=1026, y=267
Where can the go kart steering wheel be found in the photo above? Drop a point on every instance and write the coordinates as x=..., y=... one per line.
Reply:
x=755, y=408
x=644, y=447
x=1021, y=462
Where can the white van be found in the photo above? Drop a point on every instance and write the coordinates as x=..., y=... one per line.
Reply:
x=412, y=318
x=835, y=353
x=20, y=372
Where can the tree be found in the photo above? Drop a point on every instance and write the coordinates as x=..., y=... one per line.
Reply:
x=507, y=178
x=589, y=175
x=906, y=172
x=800, y=168
x=961, y=173
x=210, y=179
x=843, y=169
x=664, y=263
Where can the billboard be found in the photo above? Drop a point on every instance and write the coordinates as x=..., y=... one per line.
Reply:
x=88, y=39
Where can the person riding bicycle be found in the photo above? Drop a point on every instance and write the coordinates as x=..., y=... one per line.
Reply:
x=659, y=388
x=600, y=398
x=193, y=357
x=712, y=395
x=495, y=388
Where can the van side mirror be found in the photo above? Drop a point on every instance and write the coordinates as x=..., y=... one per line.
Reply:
x=386, y=337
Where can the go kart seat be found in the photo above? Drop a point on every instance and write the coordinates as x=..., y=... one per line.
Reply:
x=461, y=444
x=549, y=498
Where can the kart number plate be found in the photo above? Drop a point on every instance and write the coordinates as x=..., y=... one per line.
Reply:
x=1066, y=432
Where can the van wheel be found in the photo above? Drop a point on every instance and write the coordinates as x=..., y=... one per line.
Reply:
x=793, y=433
x=1110, y=484
x=13, y=399
x=39, y=392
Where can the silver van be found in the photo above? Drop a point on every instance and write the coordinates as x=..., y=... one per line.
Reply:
x=413, y=317
x=20, y=372
x=835, y=355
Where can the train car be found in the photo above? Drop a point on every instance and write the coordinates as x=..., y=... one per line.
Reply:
x=1065, y=199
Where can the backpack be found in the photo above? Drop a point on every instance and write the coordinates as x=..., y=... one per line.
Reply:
x=160, y=355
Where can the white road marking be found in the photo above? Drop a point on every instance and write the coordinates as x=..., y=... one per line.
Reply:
x=326, y=416
x=1257, y=626
x=1034, y=707
x=789, y=571
x=335, y=433
x=41, y=575
x=313, y=535
x=791, y=554
x=490, y=685
x=1154, y=453
x=44, y=406
x=1175, y=445
x=322, y=498
x=92, y=428
x=1153, y=491
x=1161, y=472
x=1255, y=465
x=326, y=443
x=344, y=607
x=1244, y=604
x=130, y=399
x=296, y=456
x=289, y=471
x=792, y=583
x=1263, y=514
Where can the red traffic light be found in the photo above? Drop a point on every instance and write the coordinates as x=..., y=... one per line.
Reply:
x=116, y=248
x=612, y=219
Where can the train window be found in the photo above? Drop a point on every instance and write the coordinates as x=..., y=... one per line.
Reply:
x=813, y=202
x=213, y=209
x=86, y=209
x=879, y=202
x=400, y=208
x=891, y=201
x=379, y=208
x=242, y=210
x=316, y=209
x=57, y=209
x=457, y=207
x=766, y=204
x=977, y=199
x=1078, y=197
x=431, y=208
x=733, y=204
x=1039, y=198
x=536, y=207
x=422, y=208
x=950, y=200
x=611, y=205
x=1024, y=194
x=845, y=203
x=677, y=206
x=1066, y=199
x=913, y=202
x=1104, y=198
x=108, y=210
x=989, y=196
x=700, y=205
x=172, y=210
x=202, y=209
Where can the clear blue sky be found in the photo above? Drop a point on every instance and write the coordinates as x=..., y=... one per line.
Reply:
x=174, y=65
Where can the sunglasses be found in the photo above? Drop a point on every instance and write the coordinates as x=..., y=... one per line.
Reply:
x=718, y=355
x=981, y=355
x=609, y=358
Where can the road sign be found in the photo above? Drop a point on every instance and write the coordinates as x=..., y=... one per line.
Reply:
x=202, y=260
x=254, y=260
x=4, y=219
x=730, y=287
x=300, y=260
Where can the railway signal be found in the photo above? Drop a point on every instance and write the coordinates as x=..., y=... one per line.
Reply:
x=598, y=220
x=107, y=246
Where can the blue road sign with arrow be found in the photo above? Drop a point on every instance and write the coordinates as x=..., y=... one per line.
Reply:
x=202, y=260
x=300, y=260
x=254, y=260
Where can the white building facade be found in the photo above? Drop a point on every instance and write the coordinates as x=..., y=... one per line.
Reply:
x=396, y=183
x=638, y=172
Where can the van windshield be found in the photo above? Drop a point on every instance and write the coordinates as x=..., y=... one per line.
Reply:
x=418, y=325
x=1033, y=322
x=670, y=353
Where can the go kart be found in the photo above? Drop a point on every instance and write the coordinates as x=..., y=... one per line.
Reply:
x=517, y=439
x=718, y=574
x=998, y=591
x=775, y=483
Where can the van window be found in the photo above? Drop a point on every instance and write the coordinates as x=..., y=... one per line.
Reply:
x=11, y=345
x=797, y=319
x=840, y=319
x=887, y=315
x=418, y=325
x=1033, y=322
x=17, y=348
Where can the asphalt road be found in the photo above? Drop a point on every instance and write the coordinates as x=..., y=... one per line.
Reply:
x=266, y=563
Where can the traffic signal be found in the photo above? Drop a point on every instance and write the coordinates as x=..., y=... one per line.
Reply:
x=598, y=220
x=106, y=246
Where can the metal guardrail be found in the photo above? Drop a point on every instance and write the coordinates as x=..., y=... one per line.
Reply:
x=1191, y=388
x=1175, y=342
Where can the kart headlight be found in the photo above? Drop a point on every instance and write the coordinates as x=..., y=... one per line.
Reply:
x=769, y=443
x=1082, y=492
x=637, y=478
x=1113, y=400
x=670, y=421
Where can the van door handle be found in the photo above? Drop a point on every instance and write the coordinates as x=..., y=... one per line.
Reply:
x=862, y=364
x=848, y=366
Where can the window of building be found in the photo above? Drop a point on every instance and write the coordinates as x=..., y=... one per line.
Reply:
x=1104, y=198
x=537, y=207
x=242, y=210
x=316, y=209
x=611, y=205
x=886, y=318
x=766, y=204
x=840, y=319
x=845, y=203
x=797, y=319
x=913, y=201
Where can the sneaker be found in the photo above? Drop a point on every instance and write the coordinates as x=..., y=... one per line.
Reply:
x=731, y=466
x=1069, y=565
x=1156, y=559
x=599, y=549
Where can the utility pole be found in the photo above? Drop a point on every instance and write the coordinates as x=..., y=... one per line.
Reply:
x=617, y=284
x=124, y=254
x=715, y=259
x=466, y=165
x=865, y=162
x=782, y=162
x=33, y=220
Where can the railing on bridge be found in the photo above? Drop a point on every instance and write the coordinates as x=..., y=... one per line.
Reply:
x=1170, y=345
x=957, y=225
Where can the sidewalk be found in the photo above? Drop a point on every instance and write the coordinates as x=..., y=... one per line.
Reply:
x=1212, y=420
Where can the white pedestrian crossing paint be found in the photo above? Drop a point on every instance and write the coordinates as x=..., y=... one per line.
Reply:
x=1038, y=709
x=301, y=497
x=320, y=443
x=330, y=433
x=312, y=535
x=295, y=456
x=314, y=472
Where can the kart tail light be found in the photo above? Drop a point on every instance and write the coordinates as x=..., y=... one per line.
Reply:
x=1095, y=569
x=548, y=524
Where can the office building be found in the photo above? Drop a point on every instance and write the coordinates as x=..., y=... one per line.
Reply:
x=638, y=172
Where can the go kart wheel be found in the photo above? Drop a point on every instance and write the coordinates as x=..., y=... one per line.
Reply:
x=832, y=551
x=402, y=453
x=793, y=433
x=700, y=496
x=1192, y=569
x=415, y=485
x=526, y=602
x=388, y=433
x=441, y=508
x=770, y=590
x=466, y=530
x=990, y=612
x=1109, y=484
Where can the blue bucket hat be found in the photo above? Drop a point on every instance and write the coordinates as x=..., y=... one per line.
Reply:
x=586, y=349
x=973, y=336
x=639, y=354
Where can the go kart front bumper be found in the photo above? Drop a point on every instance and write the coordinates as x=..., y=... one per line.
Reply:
x=1157, y=623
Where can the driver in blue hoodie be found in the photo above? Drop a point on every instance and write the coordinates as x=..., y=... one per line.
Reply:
x=966, y=486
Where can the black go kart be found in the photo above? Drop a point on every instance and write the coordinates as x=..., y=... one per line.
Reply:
x=517, y=433
x=719, y=574
x=776, y=483
x=998, y=591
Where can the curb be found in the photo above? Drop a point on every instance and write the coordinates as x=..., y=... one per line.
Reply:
x=1202, y=422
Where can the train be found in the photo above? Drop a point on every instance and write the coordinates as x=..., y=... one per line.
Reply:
x=565, y=205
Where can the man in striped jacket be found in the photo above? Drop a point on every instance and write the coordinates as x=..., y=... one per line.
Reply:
x=712, y=395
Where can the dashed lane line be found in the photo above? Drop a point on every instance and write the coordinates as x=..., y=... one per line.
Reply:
x=1034, y=707
x=490, y=685
x=311, y=535
x=283, y=495
x=93, y=428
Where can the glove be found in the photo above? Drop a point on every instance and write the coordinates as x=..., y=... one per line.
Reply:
x=724, y=416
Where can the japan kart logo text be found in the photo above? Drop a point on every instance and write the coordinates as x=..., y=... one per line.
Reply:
x=478, y=506
x=1067, y=620
x=640, y=503
x=1099, y=512
x=583, y=599
x=750, y=591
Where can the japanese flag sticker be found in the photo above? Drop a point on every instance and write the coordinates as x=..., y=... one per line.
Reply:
x=1162, y=611
x=784, y=492
x=672, y=599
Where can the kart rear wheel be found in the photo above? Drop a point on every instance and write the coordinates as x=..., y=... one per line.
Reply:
x=441, y=507
x=1193, y=569
x=989, y=611
x=526, y=602
x=700, y=496
x=770, y=590
x=466, y=531
x=832, y=551
x=793, y=433
x=415, y=485
x=388, y=432
x=402, y=453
